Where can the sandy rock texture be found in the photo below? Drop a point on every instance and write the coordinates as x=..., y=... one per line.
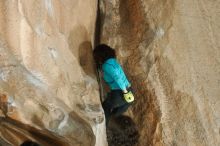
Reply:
x=170, y=51
x=48, y=88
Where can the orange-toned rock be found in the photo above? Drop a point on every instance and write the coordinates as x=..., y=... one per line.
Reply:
x=170, y=51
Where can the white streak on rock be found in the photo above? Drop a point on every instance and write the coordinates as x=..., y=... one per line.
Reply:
x=64, y=122
x=160, y=32
x=49, y=7
x=53, y=53
x=37, y=79
x=3, y=76
x=40, y=30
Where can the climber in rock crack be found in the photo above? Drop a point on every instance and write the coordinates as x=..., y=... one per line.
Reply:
x=120, y=97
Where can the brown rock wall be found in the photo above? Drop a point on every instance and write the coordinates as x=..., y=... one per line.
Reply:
x=170, y=51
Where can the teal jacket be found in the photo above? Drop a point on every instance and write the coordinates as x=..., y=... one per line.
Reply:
x=114, y=75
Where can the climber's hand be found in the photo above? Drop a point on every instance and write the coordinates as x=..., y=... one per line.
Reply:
x=129, y=97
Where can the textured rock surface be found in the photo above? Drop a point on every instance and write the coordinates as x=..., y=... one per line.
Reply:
x=169, y=49
x=171, y=52
x=48, y=90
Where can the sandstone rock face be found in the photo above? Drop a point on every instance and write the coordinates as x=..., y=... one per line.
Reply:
x=48, y=88
x=170, y=51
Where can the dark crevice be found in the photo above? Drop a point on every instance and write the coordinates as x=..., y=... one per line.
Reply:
x=98, y=25
x=133, y=29
x=121, y=130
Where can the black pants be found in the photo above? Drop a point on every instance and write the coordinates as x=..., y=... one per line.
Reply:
x=114, y=105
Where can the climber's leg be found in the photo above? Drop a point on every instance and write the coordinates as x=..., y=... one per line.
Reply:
x=120, y=110
x=121, y=105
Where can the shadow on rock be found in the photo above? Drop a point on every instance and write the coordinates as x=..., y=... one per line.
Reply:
x=14, y=132
x=86, y=58
x=80, y=131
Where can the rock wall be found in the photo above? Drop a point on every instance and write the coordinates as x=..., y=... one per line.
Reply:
x=48, y=89
x=170, y=51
